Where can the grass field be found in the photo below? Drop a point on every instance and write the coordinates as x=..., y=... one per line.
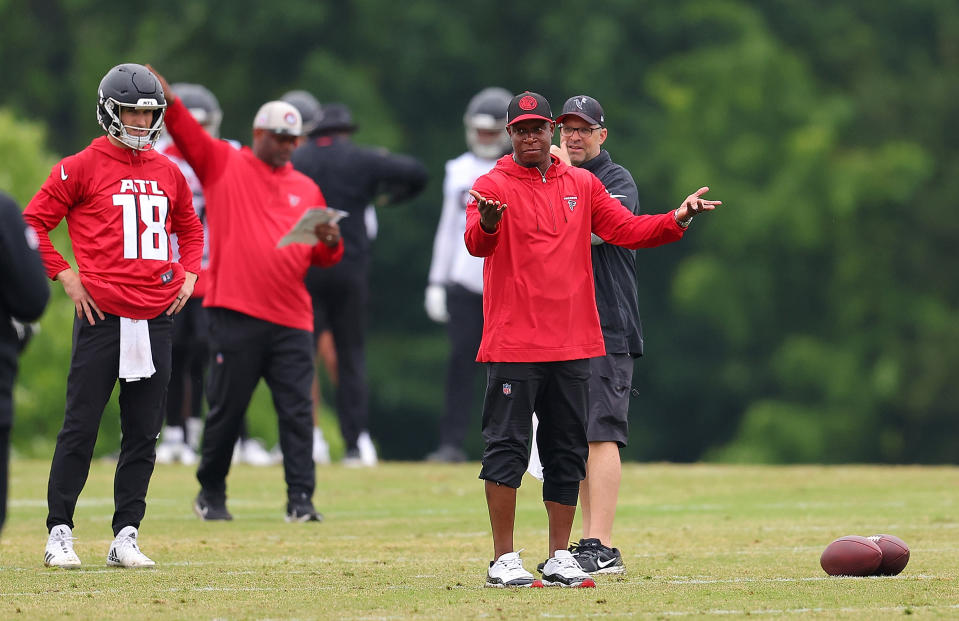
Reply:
x=411, y=541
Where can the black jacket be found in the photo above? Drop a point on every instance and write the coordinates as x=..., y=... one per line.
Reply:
x=352, y=177
x=24, y=293
x=614, y=268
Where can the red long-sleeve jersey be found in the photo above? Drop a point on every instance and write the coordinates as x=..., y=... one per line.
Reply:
x=249, y=207
x=121, y=206
x=539, y=304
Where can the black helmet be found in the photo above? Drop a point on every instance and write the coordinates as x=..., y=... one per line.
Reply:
x=308, y=106
x=487, y=111
x=202, y=104
x=335, y=117
x=130, y=86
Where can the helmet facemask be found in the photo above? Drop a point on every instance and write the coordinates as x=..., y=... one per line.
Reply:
x=110, y=109
x=486, y=112
x=487, y=150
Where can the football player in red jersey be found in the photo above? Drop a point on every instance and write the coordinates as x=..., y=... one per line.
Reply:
x=261, y=317
x=122, y=201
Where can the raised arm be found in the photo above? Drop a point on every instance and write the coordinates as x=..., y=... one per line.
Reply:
x=204, y=153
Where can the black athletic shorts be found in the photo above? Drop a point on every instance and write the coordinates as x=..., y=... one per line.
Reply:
x=558, y=393
x=610, y=381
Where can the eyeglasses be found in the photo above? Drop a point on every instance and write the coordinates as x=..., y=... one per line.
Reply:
x=584, y=132
x=523, y=132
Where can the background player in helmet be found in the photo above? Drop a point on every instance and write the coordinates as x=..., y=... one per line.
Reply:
x=455, y=290
x=121, y=200
x=352, y=178
x=184, y=424
x=310, y=112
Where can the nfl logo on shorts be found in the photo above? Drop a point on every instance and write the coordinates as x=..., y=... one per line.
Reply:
x=507, y=388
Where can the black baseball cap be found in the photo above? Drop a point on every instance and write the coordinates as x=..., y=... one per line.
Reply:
x=334, y=117
x=586, y=108
x=527, y=106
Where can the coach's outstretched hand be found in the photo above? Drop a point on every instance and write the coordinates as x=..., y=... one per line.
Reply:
x=491, y=212
x=694, y=204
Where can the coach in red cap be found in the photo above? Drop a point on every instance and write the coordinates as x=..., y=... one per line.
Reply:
x=531, y=218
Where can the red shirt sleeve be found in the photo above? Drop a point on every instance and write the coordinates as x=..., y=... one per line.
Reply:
x=323, y=255
x=204, y=153
x=479, y=243
x=188, y=228
x=617, y=225
x=48, y=208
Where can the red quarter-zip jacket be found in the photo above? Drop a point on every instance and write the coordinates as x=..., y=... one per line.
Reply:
x=249, y=206
x=539, y=304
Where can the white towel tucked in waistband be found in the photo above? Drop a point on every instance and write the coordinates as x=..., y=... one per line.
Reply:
x=136, y=355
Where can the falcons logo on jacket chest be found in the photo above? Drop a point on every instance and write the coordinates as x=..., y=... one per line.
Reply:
x=571, y=201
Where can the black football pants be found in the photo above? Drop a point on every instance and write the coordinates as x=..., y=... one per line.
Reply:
x=465, y=331
x=94, y=366
x=242, y=350
x=340, y=297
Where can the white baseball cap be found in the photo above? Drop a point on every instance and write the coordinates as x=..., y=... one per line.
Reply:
x=279, y=117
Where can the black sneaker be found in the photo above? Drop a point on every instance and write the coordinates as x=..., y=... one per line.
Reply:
x=447, y=454
x=300, y=509
x=211, y=506
x=595, y=558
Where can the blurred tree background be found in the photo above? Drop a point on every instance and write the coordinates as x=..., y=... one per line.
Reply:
x=811, y=319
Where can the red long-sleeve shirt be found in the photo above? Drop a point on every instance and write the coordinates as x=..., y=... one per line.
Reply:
x=539, y=303
x=249, y=206
x=121, y=206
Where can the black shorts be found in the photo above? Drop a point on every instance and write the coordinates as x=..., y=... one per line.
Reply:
x=558, y=393
x=610, y=381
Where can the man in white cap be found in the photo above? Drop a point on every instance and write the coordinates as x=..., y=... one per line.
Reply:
x=260, y=316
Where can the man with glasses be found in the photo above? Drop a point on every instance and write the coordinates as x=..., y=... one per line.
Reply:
x=531, y=218
x=582, y=132
x=261, y=318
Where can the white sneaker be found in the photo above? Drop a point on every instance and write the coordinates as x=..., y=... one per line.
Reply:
x=187, y=456
x=367, y=451
x=124, y=551
x=59, y=552
x=194, y=432
x=563, y=570
x=321, y=450
x=252, y=452
x=166, y=452
x=507, y=571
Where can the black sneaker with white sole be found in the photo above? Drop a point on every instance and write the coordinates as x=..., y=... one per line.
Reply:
x=595, y=558
x=299, y=508
x=211, y=507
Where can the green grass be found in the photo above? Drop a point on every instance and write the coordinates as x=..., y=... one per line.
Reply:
x=411, y=541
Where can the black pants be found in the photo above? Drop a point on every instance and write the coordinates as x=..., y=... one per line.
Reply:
x=4, y=469
x=8, y=373
x=340, y=297
x=190, y=356
x=94, y=366
x=465, y=331
x=243, y=349
x=558, y=392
